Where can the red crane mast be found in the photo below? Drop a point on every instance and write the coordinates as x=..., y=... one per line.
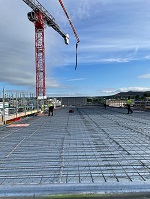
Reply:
x=41, y=17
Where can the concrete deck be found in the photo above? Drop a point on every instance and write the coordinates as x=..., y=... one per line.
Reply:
x=89, y=151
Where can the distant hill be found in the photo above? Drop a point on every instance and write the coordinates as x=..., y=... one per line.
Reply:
x=132, y=94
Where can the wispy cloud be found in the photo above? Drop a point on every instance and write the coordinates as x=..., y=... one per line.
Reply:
x=51, y=82
x=119, y=60
x=147, y=57
x=114, y=91
x=133, y=89
x=109, y=91
x=146, y=76
x=66, y=94
x=76, y=79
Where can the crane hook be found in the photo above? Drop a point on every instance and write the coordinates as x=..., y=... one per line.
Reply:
x=76, y=55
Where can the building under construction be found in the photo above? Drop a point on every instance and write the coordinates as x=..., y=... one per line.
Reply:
x=83, y=151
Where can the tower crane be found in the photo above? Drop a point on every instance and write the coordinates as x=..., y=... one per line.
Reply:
x=41, y=17
x=74, y=31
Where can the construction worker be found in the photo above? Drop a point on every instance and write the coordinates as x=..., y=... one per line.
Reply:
x=50, y=108
x=42, y=108
x=129, y=102
x=104, y=103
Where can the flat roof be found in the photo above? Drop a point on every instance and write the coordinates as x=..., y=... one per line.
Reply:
x=91, y=150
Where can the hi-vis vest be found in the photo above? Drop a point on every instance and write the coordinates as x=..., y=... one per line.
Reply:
x=42, y=107
x=129, y=101
x=50, y=104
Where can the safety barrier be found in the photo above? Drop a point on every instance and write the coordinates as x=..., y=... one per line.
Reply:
x=16, y=117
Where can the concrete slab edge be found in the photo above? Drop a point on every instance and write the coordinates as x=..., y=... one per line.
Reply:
x=49, y=190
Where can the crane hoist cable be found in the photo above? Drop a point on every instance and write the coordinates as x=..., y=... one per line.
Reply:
x=74, y=31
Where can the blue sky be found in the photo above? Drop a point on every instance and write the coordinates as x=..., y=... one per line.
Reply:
x=113, y=53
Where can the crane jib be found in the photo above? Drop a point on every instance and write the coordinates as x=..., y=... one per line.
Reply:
x=48, y=18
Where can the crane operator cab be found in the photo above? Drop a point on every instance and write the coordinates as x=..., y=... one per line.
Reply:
x=31, y=16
